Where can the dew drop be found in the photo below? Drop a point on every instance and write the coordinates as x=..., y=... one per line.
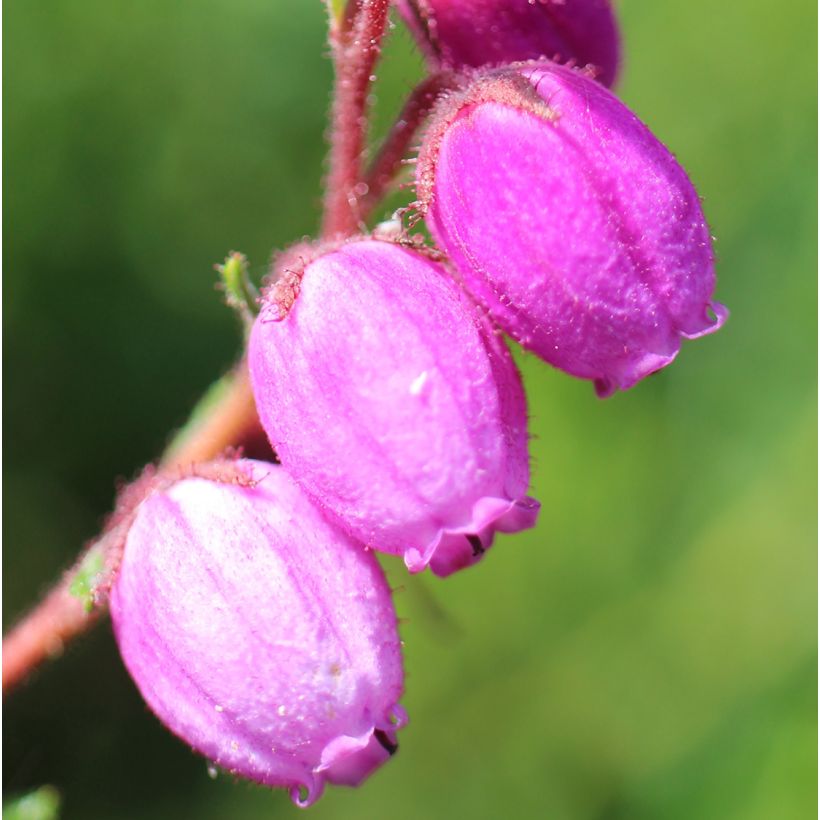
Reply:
x=212, y=771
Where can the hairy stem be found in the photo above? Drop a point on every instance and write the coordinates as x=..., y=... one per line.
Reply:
x=58, y=618
x=396, y=146
x=356, y=45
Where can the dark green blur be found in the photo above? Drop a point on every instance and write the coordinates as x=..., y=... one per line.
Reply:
x=650, y=650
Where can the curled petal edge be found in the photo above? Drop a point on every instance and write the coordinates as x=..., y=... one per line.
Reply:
x=653, y=362
x=721, y=313
x=348, y=760
x=454, y=548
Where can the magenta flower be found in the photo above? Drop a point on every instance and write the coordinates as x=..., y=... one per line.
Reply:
x=459, y=34
x=393, y=404
x=259, y=633
x=570, y=222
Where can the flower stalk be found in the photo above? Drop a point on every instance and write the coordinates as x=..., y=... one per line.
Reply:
x=397, y=144
x=356, y=46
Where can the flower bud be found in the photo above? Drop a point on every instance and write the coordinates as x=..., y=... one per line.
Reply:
x=259, y=633
x=570, y=222
x=459, y=34
x=393, y=404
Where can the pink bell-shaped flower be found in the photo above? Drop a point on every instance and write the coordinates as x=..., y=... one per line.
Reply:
x=389, y=398
x=259, y=633
x=458, y=34
x=570, y=222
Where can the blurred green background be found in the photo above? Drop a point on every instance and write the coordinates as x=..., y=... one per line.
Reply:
x=650, y=650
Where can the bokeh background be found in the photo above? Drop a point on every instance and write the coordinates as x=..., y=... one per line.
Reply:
x=650, y=650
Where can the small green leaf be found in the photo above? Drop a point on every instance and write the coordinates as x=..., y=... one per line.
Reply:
x=240, y=294
x=87, y=577
x=42, y=804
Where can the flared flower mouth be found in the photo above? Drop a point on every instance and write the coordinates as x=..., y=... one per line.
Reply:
x=348, y=760
x=455, y=548
x=651, y=363
x=710, y=325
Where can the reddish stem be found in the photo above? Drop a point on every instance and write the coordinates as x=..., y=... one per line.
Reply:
x=356, y=48
x=396, y=145
x=42, y=634
x=231, y=422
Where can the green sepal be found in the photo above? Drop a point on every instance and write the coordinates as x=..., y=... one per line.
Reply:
x=240, y=294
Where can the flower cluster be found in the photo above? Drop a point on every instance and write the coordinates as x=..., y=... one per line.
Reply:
x=251, y=612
